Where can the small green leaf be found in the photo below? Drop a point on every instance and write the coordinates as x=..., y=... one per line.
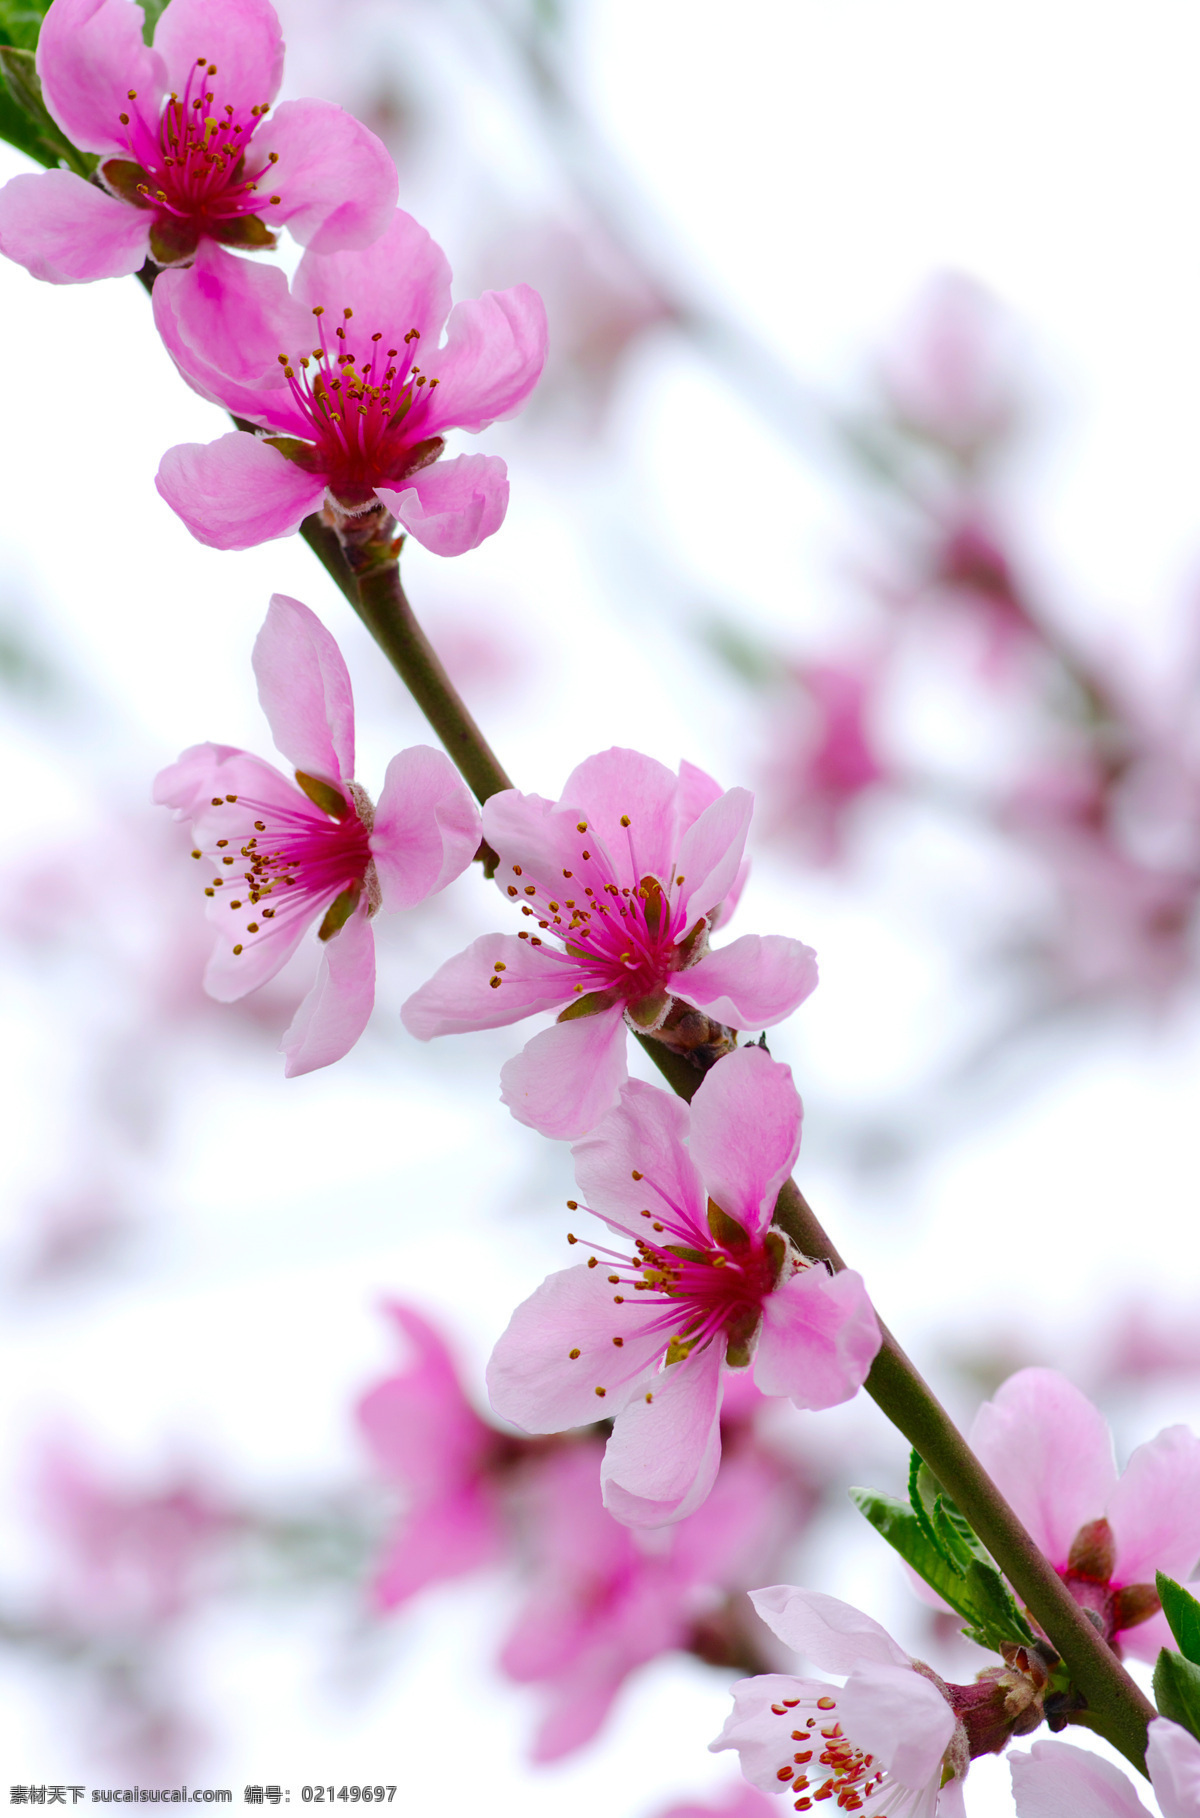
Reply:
x=1177, y=1690
x=25, y=119
x=991, y=1596
x=21, y=22
x=1183, y=1613
x=902, y=1530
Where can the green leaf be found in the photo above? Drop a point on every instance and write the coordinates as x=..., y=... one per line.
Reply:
x=1177, y=1690
x=25, y=120
x=1183, y=1613
x=991, y=1596
x=902, y=1530
x=21, y=22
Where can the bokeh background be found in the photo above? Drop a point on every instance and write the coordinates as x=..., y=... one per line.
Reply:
x=865, y=471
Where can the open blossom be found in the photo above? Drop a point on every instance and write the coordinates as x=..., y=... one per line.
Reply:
x=624, y=878
x=280, y=856
x=606, y=1599
x=188, y=156
x=426, y=1437
x=701, y=1284
x=345, y=377
x=1056, y=1780
x=877, y=1745
x=1050, y=1453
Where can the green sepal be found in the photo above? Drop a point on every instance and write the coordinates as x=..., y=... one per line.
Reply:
x=1183, y=1613
x=339, y=912
x=249, y=231
x=590, y=1004
x=324, y=796
x=152, y=11
x=1177, y=1689
x=25, y=120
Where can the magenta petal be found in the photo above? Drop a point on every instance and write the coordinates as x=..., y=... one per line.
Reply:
x=420, y=1428
x=1173, y=1758
x=1056, y=1780
x=304, y=690
x=66, y=231
x=646, y=1132
x=745, y=1133
x=236, y=492
x=834, y=1635
x=337, y=180
x=566, y=1078
x=1050, y=1453
x=1155, y=1509
x=338, y=1008
x=697, y=791
x=529, y=831
x=399, y=283
x=818, y=1339
x=225, y=321
x=900, y=1718
x=90, y=54
x=619, y=782
x=710, y=852
x=452, y=506
x=426, y=827
x=493, y=358
x=436, y=1542
x=662, y=1459
x=754, y=982
x=459, y=997
x=533, y=1380
x=243, y=39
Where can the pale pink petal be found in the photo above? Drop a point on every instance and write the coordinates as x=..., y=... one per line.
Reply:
x=529, y=831
x=426, y=827
x=745, y=1134
x=754, y=982
x=452, y=506
x=338, y=1008
x=400, y=282
x=304, y=690
x=1155, y=1509
x=420, y=1428
x=733, y=896
x=646, y=1133
x=337, y=180
x=710, y=852
x=1147, y=1639
x=438, y=1541
x=225, y=321
x=951, y=1801
x=662, y=1459
x=834, y=1635
x=494, y=353
x=236, y=492
x=900, y=1717
x=460, y=996
x=1056, y=1780
x=566, y=1078
x=697, y=791
x=579, y=1703
x=753, y=1729
x=532, y=1378
x=1173, y=1758
x=243, y=39
x=818, y=1339
x=230, y=976
x=66, y=231
x=618, y=783
x=90, y=54
x=1050, y=1454
x=191, y=781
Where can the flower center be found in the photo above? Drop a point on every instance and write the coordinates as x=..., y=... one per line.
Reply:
x=277, y=865
x=193, y=171
x=820, y=1762
x=366, y=407
x=620, y=939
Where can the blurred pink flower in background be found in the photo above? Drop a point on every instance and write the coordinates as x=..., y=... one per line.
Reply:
x=186, y=154
x=825, y=756
x=1057, y=1780
x=947, y=373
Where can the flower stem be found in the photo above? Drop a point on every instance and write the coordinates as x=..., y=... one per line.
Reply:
x=1116, y=1708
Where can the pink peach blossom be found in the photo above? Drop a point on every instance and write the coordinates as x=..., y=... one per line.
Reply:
x=1056, y=1780
x=825, y=753
x=606, y=1599
x=425, y=1436
x=703, y=1283
x=878, y=1744
x=1050, y=1453
x=187, y=155
x=285, y=855
x=624, y=876
x=328, y=372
